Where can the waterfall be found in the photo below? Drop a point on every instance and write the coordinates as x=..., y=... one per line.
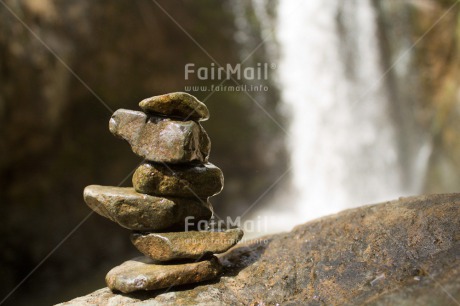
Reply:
x=343, y=143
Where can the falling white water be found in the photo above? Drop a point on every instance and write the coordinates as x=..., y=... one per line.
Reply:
x=342, y=141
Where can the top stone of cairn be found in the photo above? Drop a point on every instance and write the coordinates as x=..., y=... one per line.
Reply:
x=177, y=104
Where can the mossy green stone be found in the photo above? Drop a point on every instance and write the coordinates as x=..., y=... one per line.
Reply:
x=185, y=245
x=142, y=212
x=203, y=180
x=142, y=273
x=159, y=139
x=178, y=105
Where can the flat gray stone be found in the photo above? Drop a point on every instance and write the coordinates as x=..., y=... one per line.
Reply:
x=143, y=212
x=185, y=245
x=202, y=180
x=142, y=273
x=177, y=104
x=160, y=139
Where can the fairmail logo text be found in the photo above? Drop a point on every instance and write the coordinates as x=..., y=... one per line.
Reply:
x=228, y=72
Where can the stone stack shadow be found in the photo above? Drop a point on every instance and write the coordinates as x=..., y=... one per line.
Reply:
x=169, y=197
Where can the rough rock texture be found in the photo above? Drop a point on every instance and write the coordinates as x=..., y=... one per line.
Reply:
x=405, y=252
x=160, y=139
x=183, y=245
x=181, y=181
x=141, y=273
x=143, y=212
x=177, y=104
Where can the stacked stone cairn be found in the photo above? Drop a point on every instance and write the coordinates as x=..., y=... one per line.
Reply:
x=169, y=196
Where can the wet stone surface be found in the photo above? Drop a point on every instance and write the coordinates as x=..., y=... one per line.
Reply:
x=159, y=139
x=142, y=212
x=177, y=104
x=185, y=245
x=181, y=181
x=142, y=273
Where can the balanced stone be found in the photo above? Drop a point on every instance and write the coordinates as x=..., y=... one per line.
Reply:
x=202, y=180
x=183, y=245
x=143, y=212
x=170, y=193
x=142, y=273
x=177, y=104
x=160, y=139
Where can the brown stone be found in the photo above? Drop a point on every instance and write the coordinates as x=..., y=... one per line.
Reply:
x=404, y=252
x=160, y=139
x=143, y=212
x=183, y=245
x=177, y=104
x=202, y=180
x=142, y=273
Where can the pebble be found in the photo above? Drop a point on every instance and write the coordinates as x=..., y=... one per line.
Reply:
x=141, y=212
x=142, y=273
x=177, y=104
x=185, y=245
x=202, y=180
x=160, y=139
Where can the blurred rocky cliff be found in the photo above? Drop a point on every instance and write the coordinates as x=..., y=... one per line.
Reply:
x=66, y=65
x=421, y=43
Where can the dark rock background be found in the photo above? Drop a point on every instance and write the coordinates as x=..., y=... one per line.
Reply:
x=54, y=137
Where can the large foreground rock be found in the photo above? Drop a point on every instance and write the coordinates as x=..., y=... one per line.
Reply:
x=405, y=252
